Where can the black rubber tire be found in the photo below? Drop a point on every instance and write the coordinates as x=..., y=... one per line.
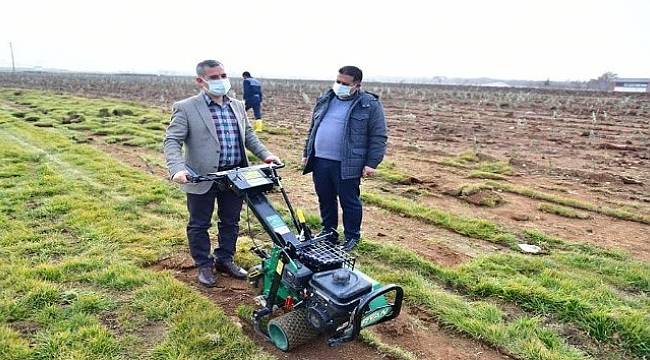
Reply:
x=295, y=327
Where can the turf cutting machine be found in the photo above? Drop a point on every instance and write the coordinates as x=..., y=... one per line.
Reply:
x=307, y=285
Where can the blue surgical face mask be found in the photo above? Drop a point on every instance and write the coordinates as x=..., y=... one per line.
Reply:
x=342, y=90
x=218, y=87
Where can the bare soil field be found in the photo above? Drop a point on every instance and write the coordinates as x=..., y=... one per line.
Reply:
x=469, y=174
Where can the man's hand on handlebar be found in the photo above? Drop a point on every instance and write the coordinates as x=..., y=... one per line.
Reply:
x=181, y=177
x=272, y=159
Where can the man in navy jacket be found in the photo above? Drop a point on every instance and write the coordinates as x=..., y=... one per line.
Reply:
x=252, y=94
x=346, y=141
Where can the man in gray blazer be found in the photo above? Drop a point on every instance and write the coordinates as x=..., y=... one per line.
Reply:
x=215, y=131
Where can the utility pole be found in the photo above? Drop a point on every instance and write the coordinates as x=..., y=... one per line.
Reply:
x=13, y=65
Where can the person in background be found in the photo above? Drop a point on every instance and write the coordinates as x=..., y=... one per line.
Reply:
x=253, y=97
x=346, y=141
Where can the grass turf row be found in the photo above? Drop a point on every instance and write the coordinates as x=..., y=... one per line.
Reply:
x=75, y=230
x=495, y=170
x=93, y=233
x=481, y=168
x=603, y=293
x=562, y=211
x=528, y=338
x=574, y=203
x=85, y=164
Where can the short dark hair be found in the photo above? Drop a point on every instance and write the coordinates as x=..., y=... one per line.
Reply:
x=200, y=67
x=353, y=71
x=246, y=74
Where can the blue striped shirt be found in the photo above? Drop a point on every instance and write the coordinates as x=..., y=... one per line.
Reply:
x=227, y=128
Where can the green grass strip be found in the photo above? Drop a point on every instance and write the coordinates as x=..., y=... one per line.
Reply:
x=564, y=211
x=472, y=227
x=76, y=228
x=574, y=203
x=576, y=288
x=525, y=337
x=393, y=352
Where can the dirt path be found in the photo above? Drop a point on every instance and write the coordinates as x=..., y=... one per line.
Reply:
x=439, y=245
x=425, y=338
x=418, y=334
x=436, y=244
x=230, y=293
x=599, y=229
x=451, y=248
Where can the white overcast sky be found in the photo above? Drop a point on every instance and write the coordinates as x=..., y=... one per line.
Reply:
x=560, y=40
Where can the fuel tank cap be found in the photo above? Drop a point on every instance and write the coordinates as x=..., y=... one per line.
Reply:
x=341, y=276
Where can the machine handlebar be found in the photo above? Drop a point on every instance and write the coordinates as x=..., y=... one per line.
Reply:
x=194, y=176
x=356, y=320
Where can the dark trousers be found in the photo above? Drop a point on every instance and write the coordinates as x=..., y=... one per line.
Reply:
x=257, y=108
x=201, y=208
x=331, y=190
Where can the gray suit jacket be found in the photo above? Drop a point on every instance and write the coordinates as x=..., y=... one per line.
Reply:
x=191, y=125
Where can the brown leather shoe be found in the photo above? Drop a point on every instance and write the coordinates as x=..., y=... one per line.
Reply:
x=206, y=277
x=230, y=268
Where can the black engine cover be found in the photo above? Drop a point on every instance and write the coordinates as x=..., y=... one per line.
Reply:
x=297, y=280
x=341, y=286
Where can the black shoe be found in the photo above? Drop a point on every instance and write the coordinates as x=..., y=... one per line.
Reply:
x=231, y=269
x=206, y=277
x=349, y=244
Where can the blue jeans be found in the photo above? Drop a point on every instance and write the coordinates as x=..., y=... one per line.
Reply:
x=330, y=190
x=201, y=207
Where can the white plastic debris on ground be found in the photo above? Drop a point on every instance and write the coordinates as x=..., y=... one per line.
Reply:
x=530, y=249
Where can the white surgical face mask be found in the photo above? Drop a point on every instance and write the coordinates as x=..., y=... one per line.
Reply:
x=342, y=90
x=218, y=87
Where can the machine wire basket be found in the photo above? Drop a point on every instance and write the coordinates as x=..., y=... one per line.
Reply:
x=324, y=255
